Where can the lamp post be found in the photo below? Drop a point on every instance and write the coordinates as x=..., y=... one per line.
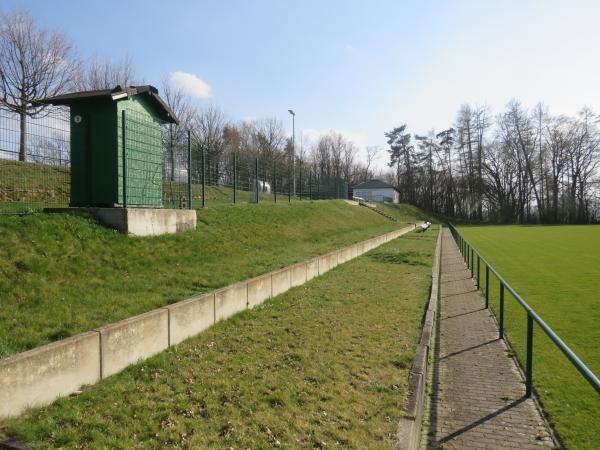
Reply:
x=293, y=150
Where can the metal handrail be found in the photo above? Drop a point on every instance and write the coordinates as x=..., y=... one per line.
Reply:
x=468, y=252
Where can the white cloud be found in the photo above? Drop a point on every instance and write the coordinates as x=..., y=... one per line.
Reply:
x=190, y=84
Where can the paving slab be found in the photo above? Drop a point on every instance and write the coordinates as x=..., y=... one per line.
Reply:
x=478, y=394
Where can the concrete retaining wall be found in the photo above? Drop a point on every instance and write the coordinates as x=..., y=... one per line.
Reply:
x=39, y=376
x=312, y=269
x=259, y=290
x=132, y=340
x=231, y=300
x=190, y=317
x=345, y=254
x=328, y=262
x=298, y=274
x=281, y=281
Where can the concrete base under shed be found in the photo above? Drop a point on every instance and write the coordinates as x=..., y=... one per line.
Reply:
x=137, y=221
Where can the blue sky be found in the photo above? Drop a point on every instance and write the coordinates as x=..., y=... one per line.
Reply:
x=357, y=67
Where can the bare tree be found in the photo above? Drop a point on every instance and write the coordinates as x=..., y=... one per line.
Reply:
x=525, y=166
x=106, y=74
x=175, y=135
x=208, y=132
x=372, y=153
x=35, y=63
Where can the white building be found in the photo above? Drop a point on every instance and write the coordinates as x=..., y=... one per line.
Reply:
x=376, y=191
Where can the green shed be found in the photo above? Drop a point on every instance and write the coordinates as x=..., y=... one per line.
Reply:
x=97, y=162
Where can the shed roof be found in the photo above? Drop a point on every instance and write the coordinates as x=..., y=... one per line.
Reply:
x=117, y=93
x=374, y=184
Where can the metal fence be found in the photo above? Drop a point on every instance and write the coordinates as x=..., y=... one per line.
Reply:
x=36, y=174
x=234, y=177
x=187, y=174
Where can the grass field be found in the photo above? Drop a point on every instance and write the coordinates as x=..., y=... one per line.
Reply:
x=61, y=275
x=556, y=269
x=323, y=366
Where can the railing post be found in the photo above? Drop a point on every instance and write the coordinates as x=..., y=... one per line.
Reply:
x=501, y=311
x=467, y=256
x=478, y=262
x=203, y=177
x=487, y=286
x=124, y=138
x=234, y=177
x=468, y=248
x=472, y=263
x=189, y=155
x=529, y=366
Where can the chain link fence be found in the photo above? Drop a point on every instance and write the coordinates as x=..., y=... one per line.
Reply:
x=152, y=173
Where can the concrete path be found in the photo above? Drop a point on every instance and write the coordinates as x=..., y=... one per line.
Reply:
x=477, y=399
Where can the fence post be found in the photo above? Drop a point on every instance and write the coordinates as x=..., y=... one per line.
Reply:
x=123, y=137
x=478, y=263
x=300, y=183
x=234, y=177
x=487, y=286
x=529, y=366
x=203, y=177
x=501, y=310
x=274, y=181
x=256, y=182
x=318, y=187
x=189, y=155
x=310, y=185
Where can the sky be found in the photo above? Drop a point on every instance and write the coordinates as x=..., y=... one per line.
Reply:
x=356, y=67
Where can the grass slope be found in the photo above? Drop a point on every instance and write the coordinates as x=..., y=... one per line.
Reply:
x=323, y=366
x=61, y=275
x=555, y=269
x=30, y=187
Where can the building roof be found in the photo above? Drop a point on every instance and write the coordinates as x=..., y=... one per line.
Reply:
x=374, y=184
x=115, y=94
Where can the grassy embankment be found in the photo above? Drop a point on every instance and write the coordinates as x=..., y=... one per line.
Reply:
x=30, y=187
x=324, y=365
x=61, y=275
x=556, y=270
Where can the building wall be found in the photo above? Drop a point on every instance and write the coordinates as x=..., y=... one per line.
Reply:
x=378, y=195
x=144, y=150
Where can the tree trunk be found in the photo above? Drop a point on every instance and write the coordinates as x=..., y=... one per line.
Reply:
x=23, y=136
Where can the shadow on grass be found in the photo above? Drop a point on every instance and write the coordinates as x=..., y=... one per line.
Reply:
x=410, y=258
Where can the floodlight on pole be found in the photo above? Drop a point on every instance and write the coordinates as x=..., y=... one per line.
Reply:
x=293, y=149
